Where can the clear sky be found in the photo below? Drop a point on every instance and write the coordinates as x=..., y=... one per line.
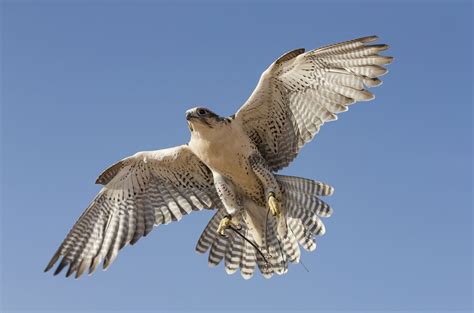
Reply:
x=86, y=83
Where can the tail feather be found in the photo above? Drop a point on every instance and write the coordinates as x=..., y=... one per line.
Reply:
x=248, y=260
x=291, y=247
x=273, y=245
x=277, y=240
x=264, y=266
x=311, y=222
x=218, y=250
x=309, y=203
x=210, y=232
x=304, y=185
x=234, y=254
x=304, y=238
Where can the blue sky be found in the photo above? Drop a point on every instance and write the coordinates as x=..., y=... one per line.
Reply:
x=86, y=83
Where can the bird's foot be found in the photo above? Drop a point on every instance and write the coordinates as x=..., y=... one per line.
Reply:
x=225, y=223
x=274, y=204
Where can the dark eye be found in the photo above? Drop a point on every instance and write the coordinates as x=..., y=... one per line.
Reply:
x=202, y=112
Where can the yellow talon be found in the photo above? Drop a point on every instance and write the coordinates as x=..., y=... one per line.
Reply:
x=274, y=205
x=224, y=224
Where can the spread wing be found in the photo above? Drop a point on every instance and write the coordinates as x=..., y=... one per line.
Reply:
x=301, y=91
x=146, y=189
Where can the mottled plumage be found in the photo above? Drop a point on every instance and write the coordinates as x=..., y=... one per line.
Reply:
x=229, y=165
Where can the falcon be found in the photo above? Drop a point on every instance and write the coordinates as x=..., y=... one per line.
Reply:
x=229, y=165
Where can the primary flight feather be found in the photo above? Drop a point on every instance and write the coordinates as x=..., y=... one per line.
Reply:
x=229, y=165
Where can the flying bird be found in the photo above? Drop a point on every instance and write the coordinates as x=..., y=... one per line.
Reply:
x=230, y=165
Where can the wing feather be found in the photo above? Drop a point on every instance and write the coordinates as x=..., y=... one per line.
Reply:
x=146, y=189
x=300, y=92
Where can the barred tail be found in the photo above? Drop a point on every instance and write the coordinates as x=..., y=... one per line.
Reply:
x=265, y=242
x=237, y=248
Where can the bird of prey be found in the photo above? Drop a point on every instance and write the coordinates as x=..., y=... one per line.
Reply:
x=230, y=165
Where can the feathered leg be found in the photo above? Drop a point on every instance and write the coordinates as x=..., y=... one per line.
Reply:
x=272, y=189
x=230, y=200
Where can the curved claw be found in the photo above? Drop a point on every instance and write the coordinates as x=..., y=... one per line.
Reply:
x=224, y=224
x=274, y=205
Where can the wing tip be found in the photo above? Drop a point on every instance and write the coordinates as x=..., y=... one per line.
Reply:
x=61, y=266
x=74, y=269
x=53, y=261
x=372, y=82
x=109, y=260
x=380, y=47
x=290, y=55
x=48, y=267
x=366, y=96
x=81, y=269
x=370, y=38
x=70, y=270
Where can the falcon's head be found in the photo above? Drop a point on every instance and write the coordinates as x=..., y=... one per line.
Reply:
x=203, y=120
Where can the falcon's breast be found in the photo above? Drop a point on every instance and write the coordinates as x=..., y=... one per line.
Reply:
x=226, y=151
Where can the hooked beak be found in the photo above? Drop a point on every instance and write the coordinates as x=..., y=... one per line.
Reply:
x=190, y=115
